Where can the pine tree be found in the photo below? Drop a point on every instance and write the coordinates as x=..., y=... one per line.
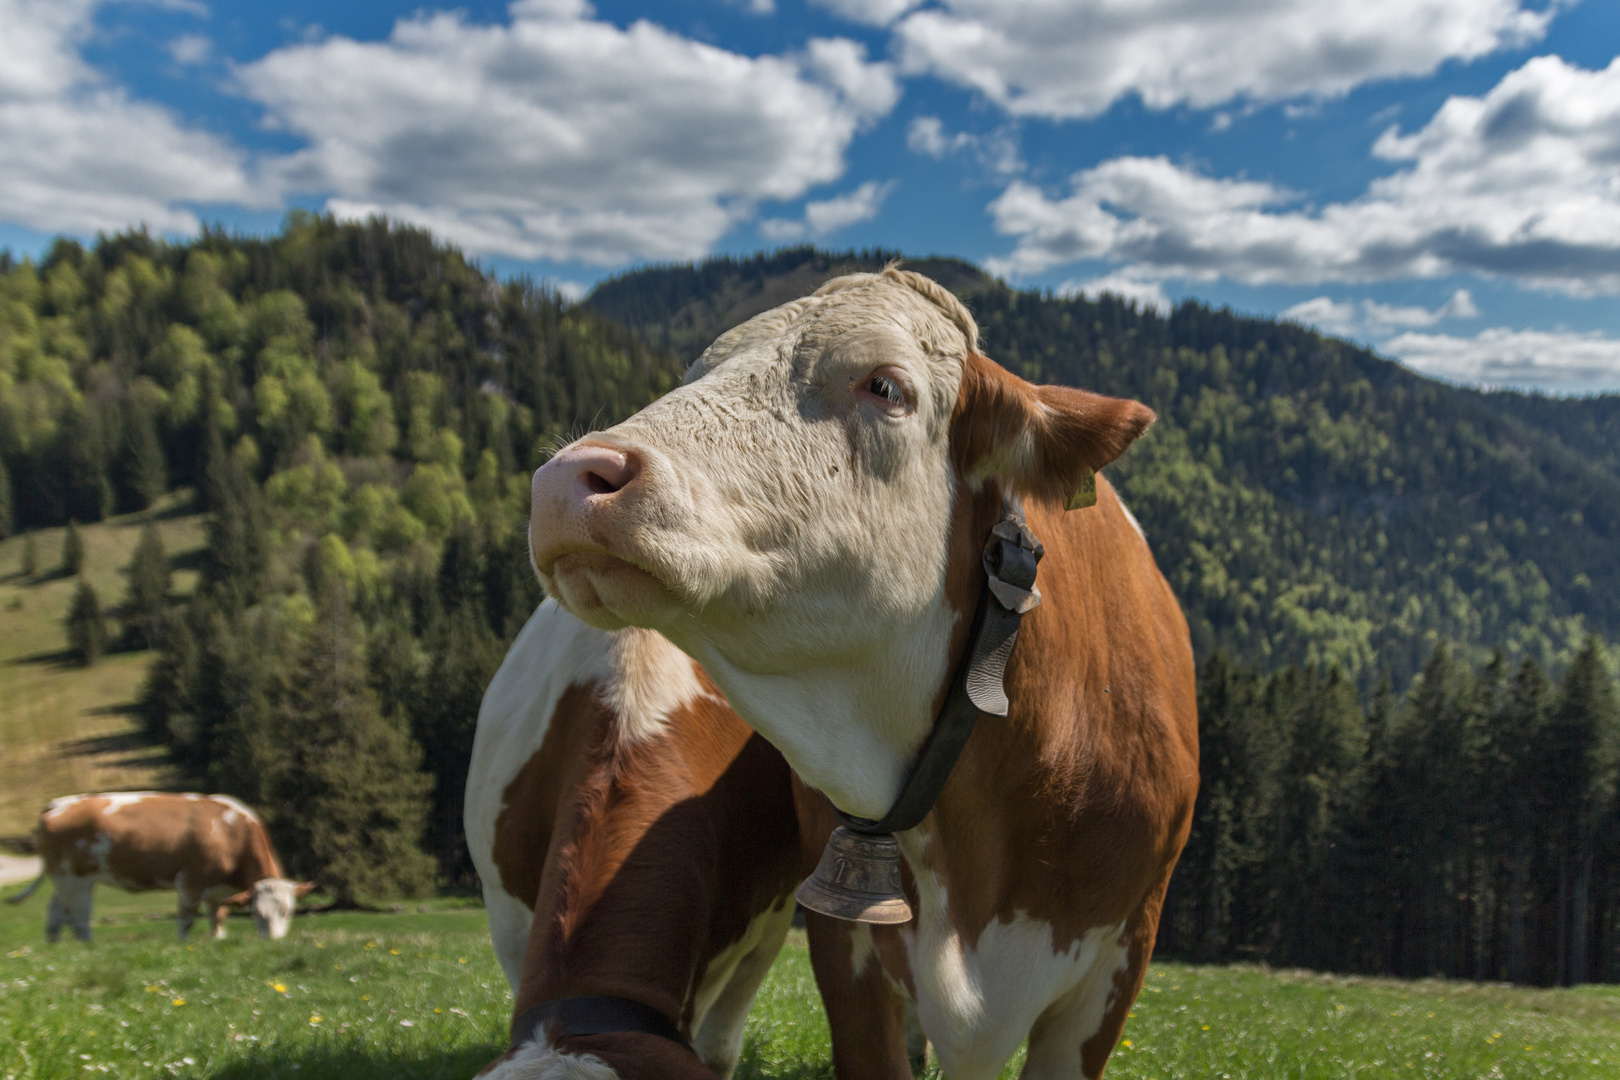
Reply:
x=8, y=521
x=72, y=550
x=1584, y=732
x=148, y=595
x=87, y=631
x=146, y=474
x=351, y=798
x=237, y=553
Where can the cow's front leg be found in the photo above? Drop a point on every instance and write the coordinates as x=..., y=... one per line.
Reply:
x=220, y=911
x=76, y=895
x=187, y=913
x=867, y=1015
x=56, y=915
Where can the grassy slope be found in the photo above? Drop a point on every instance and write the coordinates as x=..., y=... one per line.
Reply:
x=355, y=996
x=65, y=728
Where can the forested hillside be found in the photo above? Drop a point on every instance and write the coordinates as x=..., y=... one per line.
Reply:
x=1411, y=740
x=358, y=410
x=1311, y=502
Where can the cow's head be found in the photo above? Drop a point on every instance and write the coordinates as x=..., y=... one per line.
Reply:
x=272, y=901
x=784, y=516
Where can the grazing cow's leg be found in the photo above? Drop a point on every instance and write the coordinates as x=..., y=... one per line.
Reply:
x=74, y=894
x=220, y=911
x=1075, y=1035
x=56, y=914
x=187, y=914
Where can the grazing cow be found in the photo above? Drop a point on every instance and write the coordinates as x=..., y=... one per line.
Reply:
x=807, y=515
x=638, y=851
x=210, y=848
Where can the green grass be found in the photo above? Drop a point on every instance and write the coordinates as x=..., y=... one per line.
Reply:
x=418, y=994
x=66, y=728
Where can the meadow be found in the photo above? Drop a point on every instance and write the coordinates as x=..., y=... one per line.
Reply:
x=417, y=994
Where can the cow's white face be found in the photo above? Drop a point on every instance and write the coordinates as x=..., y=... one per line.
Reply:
x=273, y=902
x=784, y=516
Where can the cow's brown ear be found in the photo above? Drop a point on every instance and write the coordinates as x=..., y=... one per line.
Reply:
x=303, y=889
x=238, y=899
x=1043, y=441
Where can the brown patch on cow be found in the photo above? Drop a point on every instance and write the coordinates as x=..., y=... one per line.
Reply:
x=647, y=858
x=149, y=841
x=1038, y=439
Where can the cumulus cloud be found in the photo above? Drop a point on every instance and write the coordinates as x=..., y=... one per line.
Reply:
x=77, y=154
x=559, y=136
x=1068, y=60
x=996, y=151
x=1545, y=360
x=830, y=215
x=1520, y=182
x=1372, y=318
x=1148, y=294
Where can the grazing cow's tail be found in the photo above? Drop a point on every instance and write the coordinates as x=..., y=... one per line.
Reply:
x=26, y=893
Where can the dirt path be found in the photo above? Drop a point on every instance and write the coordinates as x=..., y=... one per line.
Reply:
x=13, y=868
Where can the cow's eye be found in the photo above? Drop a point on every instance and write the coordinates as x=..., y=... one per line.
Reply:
x=887, y=389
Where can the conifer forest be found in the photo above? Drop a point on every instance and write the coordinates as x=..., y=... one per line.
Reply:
x=1404, y=595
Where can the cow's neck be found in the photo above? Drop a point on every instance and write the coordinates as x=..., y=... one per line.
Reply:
x=259, y=859
x=853, y=726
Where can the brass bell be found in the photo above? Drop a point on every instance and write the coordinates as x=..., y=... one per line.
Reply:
x=857, y=880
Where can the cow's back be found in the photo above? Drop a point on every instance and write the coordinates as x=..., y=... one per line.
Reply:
x=148, y=840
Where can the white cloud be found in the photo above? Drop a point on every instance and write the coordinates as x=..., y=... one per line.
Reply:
x=558, y=136
x=1371, y=318
x=1547, y=360
x=1075, y=59
x=830, y=215
x=1520, y=183
x=190, y=49
x=870, y=12
x=1332, y=316
x=77, y=154
x=1147, y=294
x=996, y=151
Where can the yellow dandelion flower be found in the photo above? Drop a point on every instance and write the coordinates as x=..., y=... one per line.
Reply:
x=461, y=959
x=1206, y=1027
x=438, y=1010
x=394, y=952
x=314, y=1020
x=365, y=997
x=279, y=988
x=1126, y=1043
x=182, y=1001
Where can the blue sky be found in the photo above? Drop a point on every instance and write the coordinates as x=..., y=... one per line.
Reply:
x=1437, y=178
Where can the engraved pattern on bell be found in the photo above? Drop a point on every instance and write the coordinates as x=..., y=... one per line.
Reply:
x=858, y=880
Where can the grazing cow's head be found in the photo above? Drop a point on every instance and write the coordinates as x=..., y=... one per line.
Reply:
x=784, y=515
x=272, y=902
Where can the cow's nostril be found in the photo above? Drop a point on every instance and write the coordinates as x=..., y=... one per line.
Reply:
x=598, y=484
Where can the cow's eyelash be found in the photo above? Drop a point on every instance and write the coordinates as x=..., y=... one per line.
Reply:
x=887, y=389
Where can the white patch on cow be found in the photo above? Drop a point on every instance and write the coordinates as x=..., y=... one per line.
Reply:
x=56, y=806
x=509, y=922
x=273, y=903
x=977, y=1003
x=728, y=985
x=651, y=679
x=233, y=807
x=100, y=849
x=862, y=949
x=1130, y=517
x=1072, y=1021
x=538, y=1061
x=553, y=651
x=228, y=817
x=117, y=800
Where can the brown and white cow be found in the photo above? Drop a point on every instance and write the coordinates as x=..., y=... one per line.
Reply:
x=211, y=849
x=636, y=841
x=806, y=516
